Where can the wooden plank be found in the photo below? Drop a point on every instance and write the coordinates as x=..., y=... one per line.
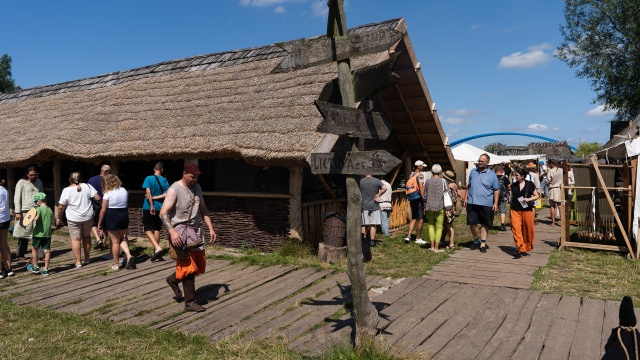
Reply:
x=507, y=337
x=595, y=246
x=377, y=162
x=305, y=53
x=586, y=342
x=522, y=283
x=557, y=343
x=456, y=321
x=277, y=310
x=342, y=120
x=611, y=320
x=470, y=341
x=532, y=343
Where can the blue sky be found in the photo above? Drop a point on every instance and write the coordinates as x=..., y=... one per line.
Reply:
x=489, y=66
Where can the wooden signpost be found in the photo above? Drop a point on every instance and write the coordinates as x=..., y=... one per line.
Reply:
x=342, y=120
x=305, y=53
x=377, y=162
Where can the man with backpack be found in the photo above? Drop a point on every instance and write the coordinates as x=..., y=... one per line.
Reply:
x=503, y=180
x=415, y=192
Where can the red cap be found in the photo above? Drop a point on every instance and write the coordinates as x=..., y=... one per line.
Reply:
x=192, y=169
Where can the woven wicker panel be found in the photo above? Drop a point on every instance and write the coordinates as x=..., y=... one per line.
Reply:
x=238, y=221
x=249, y=222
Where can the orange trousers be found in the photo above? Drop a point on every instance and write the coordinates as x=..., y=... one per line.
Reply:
x=195, y=264
x=522, y=227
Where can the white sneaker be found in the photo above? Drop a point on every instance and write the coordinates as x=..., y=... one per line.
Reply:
x=420, y=242
x=407, y=238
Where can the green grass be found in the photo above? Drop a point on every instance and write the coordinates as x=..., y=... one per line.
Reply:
x=602, y=275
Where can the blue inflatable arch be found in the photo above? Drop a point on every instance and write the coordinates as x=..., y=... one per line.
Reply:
x=454, y=143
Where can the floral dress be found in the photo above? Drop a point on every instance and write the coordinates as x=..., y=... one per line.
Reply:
x=451, y=213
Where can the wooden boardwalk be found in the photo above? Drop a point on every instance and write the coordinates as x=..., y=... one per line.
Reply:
x=453, y=313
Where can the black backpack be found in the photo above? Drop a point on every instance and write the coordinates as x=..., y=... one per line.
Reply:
x=503, y=188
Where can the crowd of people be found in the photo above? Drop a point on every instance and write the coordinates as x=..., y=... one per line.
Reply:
x=512, y=193
x=101, y=207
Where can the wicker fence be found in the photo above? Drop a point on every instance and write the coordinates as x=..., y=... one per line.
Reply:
x=240, y=220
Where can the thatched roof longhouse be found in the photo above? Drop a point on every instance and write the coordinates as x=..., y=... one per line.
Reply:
x=225, y=105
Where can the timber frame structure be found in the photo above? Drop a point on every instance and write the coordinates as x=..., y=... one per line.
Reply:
x=217, y=106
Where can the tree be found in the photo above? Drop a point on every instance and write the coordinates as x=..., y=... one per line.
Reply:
x=7, y=84
x=585, y=149
x=602, y=41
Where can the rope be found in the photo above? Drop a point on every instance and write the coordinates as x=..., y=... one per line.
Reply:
x=632, y=329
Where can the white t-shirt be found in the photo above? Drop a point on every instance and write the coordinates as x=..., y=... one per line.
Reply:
x=78, y=203
x=4, y=205
x=117, y=198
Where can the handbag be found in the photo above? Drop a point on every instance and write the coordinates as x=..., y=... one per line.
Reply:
x=413, y=196
x=448, y=203
x=177, y=253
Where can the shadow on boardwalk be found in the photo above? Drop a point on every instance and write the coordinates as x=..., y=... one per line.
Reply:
x=472, y=306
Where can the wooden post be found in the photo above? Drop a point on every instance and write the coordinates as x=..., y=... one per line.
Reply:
x=295, y=203
x=115, y=167
x=564, y=224
x=365, y=313
x=566, y=201
x=57, y=183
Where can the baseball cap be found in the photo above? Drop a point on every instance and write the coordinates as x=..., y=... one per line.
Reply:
x=418, y=163
x=39, y=196
x=192, y=169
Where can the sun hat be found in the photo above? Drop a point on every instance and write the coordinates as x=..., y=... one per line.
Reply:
x=449, y=175
x=418, y=163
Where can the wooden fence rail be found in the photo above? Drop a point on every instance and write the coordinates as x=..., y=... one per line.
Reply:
x=313, y=214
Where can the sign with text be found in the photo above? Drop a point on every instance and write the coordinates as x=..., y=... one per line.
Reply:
x=342, y=120
x=378, y=162
x=305, y=53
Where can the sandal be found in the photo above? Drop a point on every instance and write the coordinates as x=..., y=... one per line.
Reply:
x=114, y=268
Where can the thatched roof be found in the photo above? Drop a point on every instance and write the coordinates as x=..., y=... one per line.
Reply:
x=225, y=105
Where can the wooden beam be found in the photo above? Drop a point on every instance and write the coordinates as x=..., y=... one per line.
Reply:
x=295, y=203
x=11, y=185
x=327, y=188
x=57, y=182
x=413, y=123
x=613, y=208
x=395, y=173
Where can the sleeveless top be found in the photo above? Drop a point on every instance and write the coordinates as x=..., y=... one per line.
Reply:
x=184, y=197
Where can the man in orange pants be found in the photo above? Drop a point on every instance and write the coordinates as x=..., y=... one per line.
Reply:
x=183, y=206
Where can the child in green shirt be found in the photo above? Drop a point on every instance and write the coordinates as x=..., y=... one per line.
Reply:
x=41, y=234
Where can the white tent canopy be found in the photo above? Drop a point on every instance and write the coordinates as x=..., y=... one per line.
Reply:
x=470, y=153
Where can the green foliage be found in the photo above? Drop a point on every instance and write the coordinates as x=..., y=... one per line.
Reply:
x=584, y=149
x=602, y=41
x=7, y=84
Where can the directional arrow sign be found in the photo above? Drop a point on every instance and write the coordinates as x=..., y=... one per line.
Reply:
x=310, y=52
x=377, y=162
x=342, y=120
x=367, y=81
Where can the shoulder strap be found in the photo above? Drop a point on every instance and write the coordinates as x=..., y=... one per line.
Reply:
x=159, y=184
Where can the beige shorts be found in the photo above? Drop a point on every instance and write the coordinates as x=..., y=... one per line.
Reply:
x=554, y=203
x=80, y=229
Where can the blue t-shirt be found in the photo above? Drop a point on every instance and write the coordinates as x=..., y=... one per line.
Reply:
x=156, y=189
x=481, y=187
x=96, y=182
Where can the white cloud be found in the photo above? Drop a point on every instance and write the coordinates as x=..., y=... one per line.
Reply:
x=538, y=127
x=475, y=27
x=320, y=8
x=600, y=111
x=589, y=130
x=536, y=55
x=458, y=120
x=279, y=9
x=262, y=3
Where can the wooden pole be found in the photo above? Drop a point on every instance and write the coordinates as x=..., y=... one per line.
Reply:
x=613, y=208
x=57, y=183
x=365, y=313
x=564, y=224
x=295, y=203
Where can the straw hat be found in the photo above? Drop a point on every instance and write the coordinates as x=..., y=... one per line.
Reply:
x=449, y=175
